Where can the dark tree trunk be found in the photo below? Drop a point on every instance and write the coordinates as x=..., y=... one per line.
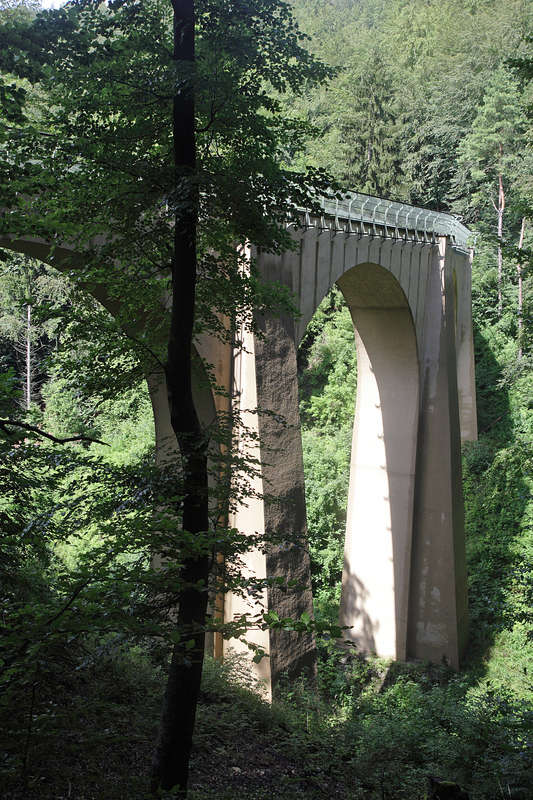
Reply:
x=172, y=754
x=28, y=358
x=520, y=289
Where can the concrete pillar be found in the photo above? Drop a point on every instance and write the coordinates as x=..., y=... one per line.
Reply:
x=438, y=603
x=166, y=446
x=375, y=583
x=266, y=377
x=287, y=558
x=249, y=516
x=167, y=453
x=464, y=339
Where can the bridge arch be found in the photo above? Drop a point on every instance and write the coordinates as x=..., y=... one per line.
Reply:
x=375, y=584
x=404, y=582
x=66, y=260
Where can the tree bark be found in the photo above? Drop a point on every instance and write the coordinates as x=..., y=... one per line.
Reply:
x=520, y=295
x=170, y=767
x=28, y=356
x=501, y=207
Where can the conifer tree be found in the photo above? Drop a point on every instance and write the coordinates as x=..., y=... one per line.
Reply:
x=369, y=129
x=490, y=156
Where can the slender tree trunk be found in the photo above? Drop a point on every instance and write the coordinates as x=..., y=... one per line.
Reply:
x=501, y=209
x=171, y=757
x=28, y=356
x=520, y=297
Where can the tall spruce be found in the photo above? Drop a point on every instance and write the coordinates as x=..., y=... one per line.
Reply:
x=369, y=128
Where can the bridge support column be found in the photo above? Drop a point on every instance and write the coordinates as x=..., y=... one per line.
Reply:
x=464, y=345
x=438, y=601
x=266, y=377
x=284, y=505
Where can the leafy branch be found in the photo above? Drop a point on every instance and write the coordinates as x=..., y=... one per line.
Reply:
x=4, y=423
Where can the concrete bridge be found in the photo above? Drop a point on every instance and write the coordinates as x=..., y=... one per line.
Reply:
x=405, y=273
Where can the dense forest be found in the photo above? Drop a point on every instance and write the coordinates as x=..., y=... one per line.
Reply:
x=423, y=101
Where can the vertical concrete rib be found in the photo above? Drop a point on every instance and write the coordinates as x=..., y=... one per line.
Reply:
x=351, y=253
x=396, y=259
x=437, y=604
x=385, y=254
x=414, y=277
x=422, y=284
x=290, y=277
x=338, y=257
x=315, y=276
x=323, y=267
x=298, y=290
x=307, y=293
x=466, y=379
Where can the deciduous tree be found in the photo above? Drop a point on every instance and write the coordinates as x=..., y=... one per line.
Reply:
x=152, y=148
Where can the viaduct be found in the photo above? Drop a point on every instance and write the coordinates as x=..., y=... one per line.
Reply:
x=405, y=273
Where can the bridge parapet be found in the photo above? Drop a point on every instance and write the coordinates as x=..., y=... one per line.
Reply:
x=366, y=215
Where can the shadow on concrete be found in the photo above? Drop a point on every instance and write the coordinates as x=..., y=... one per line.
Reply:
x=354, y=598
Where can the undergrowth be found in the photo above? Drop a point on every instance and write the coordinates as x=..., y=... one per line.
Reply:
x=370, y=729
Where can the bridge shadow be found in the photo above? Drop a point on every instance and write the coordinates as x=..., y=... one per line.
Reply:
x=355, y=596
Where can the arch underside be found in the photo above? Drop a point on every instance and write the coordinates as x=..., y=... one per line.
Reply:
x=375, y=583
x=65, y=259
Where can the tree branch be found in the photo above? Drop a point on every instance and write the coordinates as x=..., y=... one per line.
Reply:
x=33, y=429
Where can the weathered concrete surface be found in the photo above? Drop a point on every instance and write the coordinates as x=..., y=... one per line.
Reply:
x=287, y=556
x=250, y=518
x=438, y=602
x=464, y=346
x=266, y=389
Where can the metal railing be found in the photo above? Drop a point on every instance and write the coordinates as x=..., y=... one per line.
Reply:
x=365, y=215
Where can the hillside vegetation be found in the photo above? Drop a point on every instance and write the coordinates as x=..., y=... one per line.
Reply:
x=432, y=103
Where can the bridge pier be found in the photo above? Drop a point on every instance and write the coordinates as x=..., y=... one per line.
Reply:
x=265, y=376
x=375, y=583
x=438, y=614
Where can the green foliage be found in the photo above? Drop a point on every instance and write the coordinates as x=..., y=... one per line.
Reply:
x=422, y=96
x=391, y=731
x=328, y=376
x=31, y=296
x=454, y=104
x=328, y=373
x=495, y=146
